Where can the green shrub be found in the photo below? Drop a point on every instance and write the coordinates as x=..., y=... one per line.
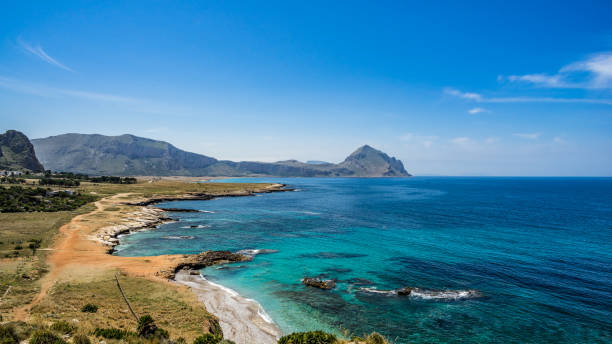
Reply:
x=89, y=308
x=8, y=335
x=81, y=339
x=146, y=326
x=376, y=338
x=312, y=337
x=111, y=333
x=46, y=337
x=63, y=327
x=207, y=339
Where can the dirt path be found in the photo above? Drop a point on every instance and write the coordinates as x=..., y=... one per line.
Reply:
x=75, y=254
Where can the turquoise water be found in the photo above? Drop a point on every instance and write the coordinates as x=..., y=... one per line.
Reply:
x=538, y=249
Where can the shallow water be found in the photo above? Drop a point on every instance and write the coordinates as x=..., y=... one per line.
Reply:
x=537, y=250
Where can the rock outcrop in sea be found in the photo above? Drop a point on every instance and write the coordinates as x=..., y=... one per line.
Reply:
x=319, y=283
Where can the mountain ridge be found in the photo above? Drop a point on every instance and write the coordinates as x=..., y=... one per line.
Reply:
x=128, y=154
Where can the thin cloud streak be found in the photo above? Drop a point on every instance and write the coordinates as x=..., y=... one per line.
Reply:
x=594, y=72
x=464, y=95
x=45, y=91
x=41, y=54
x=528, y=136
x=477, y=110
x=481, y=99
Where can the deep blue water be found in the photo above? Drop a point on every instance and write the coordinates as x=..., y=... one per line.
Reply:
x=538, y=249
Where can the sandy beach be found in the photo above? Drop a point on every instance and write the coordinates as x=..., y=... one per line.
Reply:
x=243, y=320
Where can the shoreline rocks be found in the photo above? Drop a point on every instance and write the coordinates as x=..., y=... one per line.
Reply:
x=202, y=260
x=143, y=219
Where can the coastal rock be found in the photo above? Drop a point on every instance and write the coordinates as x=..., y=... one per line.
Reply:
x=319, y=283
x=142, y=219
x=202, y=260
x=180, y=210
x=404, y=291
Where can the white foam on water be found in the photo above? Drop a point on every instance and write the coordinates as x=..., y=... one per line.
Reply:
x=254, y=252
x=373, y=290
x=178, y=237
x=444, y=294
x=225, y=289
x=262, y=313
x=198, y=226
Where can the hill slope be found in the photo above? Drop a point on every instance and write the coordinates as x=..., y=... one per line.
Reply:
x=117, y=155
x=132, y=155
x=17, y=153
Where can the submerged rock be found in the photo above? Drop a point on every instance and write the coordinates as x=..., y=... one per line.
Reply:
x=319, y=283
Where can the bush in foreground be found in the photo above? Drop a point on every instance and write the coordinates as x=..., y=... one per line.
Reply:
x=89, y=308
x=312, y=337
x=46, y=337
x=63, y=327
x=81, y=339
x=148, y=329
x=112, y=333
x=207, y=339
x=8, y=335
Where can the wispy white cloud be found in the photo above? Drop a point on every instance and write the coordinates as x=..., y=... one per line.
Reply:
x=41, y=54
x=594, y=72
x=528, y=136
x=461, y=140
x=481, y=99
x=464, y=95
x=426, y=141
x=477, y=110
x=546, y=100
x=45, y=91
x=558, y=140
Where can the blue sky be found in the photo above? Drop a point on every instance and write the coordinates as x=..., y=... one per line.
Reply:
x=450, y=88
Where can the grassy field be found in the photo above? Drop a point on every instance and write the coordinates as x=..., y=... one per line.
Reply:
x=173, y=308
x=24, y=268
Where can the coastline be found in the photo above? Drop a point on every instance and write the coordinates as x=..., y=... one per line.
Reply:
x=82, y=251
x=242, y=320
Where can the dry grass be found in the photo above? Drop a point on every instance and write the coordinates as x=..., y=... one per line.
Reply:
x=172, y=307
x=23, y=272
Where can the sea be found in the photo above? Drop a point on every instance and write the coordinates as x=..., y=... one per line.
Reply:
x=490, y=260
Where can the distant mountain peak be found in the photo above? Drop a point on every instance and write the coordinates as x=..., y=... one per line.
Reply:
x=17, y=153
x=369, y=162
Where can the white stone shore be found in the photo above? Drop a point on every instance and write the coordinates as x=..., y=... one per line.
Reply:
x=242, y=320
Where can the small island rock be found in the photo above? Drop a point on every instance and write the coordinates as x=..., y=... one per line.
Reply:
x=319, y=283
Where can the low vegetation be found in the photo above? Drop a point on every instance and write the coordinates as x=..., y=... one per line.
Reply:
x=16, y=199
x=312, y=337
x=46, y=337
x=89, y=308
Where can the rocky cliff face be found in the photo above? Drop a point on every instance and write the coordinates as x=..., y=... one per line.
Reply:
x=17, y=153
x=132, y=155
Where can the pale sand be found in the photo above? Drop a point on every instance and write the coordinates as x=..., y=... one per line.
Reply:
x=242, y=320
